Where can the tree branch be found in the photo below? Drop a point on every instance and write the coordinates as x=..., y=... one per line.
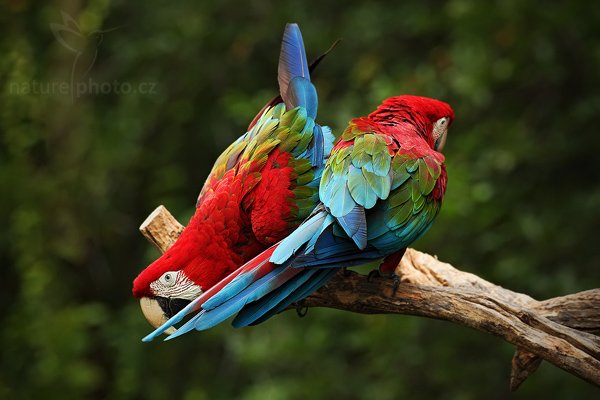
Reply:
x=559, y=330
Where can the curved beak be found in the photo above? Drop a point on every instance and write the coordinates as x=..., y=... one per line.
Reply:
x=440, y=142
x=154, y=313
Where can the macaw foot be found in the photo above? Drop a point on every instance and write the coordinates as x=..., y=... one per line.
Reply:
x=373, y=274
x=376, y=273
x=301, y=309
x=345, y=272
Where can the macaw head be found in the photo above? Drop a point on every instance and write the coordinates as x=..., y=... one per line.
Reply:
x=431, y=117
x=179, y=276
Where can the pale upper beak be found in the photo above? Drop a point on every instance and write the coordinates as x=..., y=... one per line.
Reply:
x=440, y=142
x=154, y=313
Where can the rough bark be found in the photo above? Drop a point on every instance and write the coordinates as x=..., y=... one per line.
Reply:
x=559, y=330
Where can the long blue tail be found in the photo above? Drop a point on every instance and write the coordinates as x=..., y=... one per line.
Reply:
x=293, y=73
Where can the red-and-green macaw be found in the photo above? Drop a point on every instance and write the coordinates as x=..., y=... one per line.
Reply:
x=261, y=188
x=381, y=189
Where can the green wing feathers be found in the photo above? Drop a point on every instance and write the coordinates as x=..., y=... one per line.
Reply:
x=414, y=179
x=359, y=168
x=393, y=184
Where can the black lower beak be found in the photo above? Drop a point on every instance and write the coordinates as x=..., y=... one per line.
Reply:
x=171, y=306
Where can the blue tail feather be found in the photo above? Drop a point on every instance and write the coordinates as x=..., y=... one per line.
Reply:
x=171, y=322
x=346, y=261
x=239, y=283
x=293, y=71
x=299, y=237
x=257, y=290
x=315, y=282
x=185, y=328
x=253, y=311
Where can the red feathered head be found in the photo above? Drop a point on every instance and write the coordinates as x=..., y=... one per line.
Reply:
x=431, y=117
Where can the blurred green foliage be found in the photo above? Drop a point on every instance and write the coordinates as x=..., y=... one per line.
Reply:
x=79, y=173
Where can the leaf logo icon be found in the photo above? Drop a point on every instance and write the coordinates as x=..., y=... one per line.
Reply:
x=83, y=45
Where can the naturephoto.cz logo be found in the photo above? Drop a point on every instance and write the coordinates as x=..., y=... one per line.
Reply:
x=84, y=48
x=80, y=88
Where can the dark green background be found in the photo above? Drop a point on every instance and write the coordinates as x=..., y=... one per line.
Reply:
x=78, y=176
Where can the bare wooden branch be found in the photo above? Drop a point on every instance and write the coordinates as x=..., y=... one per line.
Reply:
x=161, y=228
x=557, y=330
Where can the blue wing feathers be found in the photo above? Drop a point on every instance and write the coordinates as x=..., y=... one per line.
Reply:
x=317, y=156
x=329, y=220
x=299, y=237
x=339, y=261
x=338, y=197
x=320, y=278
x=355, y=225
x=255, y=291
x=257, y=309
x=313, y=284
x=329, y=140
x=234, y=287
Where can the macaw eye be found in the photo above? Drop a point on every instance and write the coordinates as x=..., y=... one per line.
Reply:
x=168, y=278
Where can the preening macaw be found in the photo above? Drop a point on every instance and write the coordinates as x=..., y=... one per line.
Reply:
x=381, y=189
x=261, y=188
